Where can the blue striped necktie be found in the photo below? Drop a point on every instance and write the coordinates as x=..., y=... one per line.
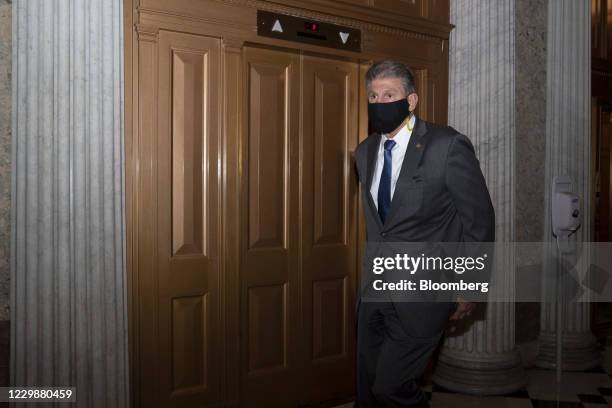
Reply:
x=384, y=187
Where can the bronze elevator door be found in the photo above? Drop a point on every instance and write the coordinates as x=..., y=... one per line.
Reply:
x=299, y=228
x=294, y=300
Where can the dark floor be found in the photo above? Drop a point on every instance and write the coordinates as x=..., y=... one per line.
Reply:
x=590, y=389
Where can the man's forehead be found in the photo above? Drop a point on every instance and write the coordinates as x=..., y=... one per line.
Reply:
x=387, y=83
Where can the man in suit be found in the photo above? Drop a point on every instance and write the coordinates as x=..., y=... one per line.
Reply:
x=421, y=183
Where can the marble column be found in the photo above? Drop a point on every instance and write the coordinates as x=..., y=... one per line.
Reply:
x=568, y=152
x=68, y=282
x=481, y=357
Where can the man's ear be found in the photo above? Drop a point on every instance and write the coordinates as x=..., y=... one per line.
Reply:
x=413, y=99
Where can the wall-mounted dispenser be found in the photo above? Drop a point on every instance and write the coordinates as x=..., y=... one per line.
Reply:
x=565, y=208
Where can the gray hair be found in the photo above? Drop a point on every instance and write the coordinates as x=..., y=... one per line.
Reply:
x=391, y=69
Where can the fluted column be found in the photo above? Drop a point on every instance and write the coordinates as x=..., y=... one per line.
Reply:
x=568, y=152
x=68, y=288
x=481, y=357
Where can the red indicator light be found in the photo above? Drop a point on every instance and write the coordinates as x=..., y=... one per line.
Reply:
x=310, y=26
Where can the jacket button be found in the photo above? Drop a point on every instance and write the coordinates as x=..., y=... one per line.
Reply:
x=384, y=234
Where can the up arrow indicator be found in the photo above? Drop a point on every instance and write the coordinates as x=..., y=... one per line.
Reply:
x=277, y=27
x=344, y=37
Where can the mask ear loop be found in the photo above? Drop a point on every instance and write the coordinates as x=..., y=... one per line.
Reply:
x=408, y=122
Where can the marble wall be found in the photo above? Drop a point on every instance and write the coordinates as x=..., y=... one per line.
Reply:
x=5, y=154
x=5, y=184
x=531, y=29
x=68, y=285
x=530, y=117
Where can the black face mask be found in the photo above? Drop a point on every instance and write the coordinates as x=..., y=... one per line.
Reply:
x=386, y=117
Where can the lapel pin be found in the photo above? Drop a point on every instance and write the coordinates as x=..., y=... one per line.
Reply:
x=418, y=146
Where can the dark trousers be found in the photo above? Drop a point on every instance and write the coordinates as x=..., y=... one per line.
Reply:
x=389, y=359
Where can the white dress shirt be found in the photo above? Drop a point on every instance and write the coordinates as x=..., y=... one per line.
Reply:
x=397, y=158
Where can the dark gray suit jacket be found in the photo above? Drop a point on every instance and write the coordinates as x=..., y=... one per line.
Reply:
x=440, y=196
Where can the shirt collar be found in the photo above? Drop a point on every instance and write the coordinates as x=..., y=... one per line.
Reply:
x=403, y=136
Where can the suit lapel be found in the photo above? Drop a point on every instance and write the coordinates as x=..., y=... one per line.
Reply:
x=413, y=155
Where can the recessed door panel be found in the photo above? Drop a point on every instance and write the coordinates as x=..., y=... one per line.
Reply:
x=189, y=321
x=267, y=327
x=330, y=101
x=267, y=151
x=416, y=8
x=329, y=315
x=188, y=195
x=435, y=10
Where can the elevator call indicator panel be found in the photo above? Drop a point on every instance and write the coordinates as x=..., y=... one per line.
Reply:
x=300, y=29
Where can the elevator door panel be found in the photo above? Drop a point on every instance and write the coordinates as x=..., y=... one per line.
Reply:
x=188, y=361
x=329, y=224
x=269, y=310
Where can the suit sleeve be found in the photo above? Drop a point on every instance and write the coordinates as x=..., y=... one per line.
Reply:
x=359, y=163
x=356, y=167
x=469, y=191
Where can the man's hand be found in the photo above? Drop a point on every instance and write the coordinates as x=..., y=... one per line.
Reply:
x=463, y=309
